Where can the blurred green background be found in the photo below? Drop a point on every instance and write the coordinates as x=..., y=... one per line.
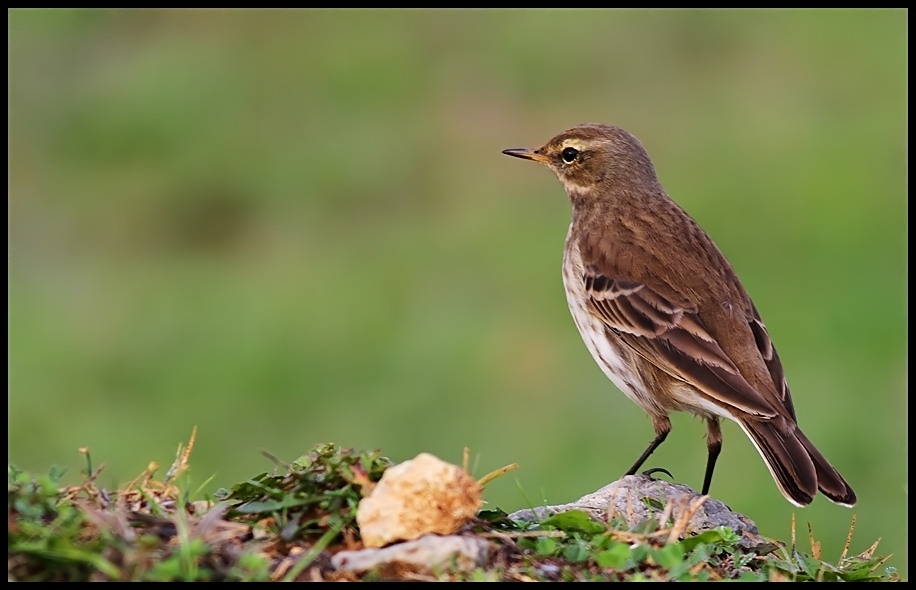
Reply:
x=292, y=227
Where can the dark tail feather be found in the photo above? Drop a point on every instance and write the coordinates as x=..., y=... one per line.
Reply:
x=788, y=459
x=829, y=480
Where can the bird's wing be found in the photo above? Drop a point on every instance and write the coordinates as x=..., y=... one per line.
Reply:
x=672, y=337
x=774, y=365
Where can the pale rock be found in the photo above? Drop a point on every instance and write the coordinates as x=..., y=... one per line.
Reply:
x=419, y=496
x=428, y=554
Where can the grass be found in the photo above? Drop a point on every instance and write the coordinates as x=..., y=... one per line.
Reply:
x=285, y=525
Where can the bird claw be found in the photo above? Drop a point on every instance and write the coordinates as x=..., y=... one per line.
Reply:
x=649, y=472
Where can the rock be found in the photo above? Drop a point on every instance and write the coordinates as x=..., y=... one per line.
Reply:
x=419, y=496
x=625, y=498
x=428, y=554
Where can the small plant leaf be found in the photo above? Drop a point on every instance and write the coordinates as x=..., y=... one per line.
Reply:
x=574, y=521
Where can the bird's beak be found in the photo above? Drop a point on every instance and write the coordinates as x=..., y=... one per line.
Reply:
x=527, y=154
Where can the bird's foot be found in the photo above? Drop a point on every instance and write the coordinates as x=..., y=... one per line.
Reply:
x=649, y=472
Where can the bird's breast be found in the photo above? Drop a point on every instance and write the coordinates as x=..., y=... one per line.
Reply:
x=618, y=361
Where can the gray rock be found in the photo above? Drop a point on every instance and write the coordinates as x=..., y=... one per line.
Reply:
x=639, y=497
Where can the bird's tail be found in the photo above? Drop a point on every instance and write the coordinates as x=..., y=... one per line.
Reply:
x=829, y=480
x=796, y=465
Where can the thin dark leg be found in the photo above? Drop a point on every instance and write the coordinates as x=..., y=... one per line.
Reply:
x=659, y=439
x=713, y=447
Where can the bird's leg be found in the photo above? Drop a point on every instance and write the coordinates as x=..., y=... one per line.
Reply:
x=662, y=426
x=713, y=446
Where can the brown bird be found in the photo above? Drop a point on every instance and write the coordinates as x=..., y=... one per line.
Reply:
x=664, y=314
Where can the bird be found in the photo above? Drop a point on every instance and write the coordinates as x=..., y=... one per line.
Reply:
x=665, y=316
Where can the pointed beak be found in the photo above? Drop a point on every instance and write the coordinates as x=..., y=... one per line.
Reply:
x=527, y=154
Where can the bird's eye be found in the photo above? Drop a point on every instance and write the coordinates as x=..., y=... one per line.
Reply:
x=569, y=155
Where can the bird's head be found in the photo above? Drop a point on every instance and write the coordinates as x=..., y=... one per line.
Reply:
x=592, y=155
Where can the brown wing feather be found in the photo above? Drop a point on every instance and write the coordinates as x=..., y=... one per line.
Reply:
x=774, y=365
x=672, y=337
